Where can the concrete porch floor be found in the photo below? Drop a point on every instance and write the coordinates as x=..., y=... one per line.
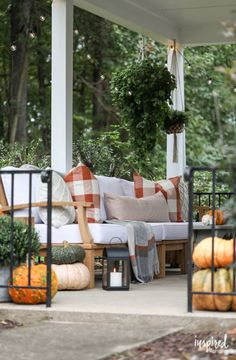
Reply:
x=166, y=296
x=91, y=324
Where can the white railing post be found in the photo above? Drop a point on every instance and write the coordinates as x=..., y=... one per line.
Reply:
x=176, y=67
x=62, y=85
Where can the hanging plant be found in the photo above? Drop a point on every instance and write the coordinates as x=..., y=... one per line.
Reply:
x=175, y=122
x=141, y=92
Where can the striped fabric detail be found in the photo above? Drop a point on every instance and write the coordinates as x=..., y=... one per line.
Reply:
x=84, y=187
x=169, y=188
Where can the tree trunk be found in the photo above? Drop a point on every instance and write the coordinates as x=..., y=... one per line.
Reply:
x=21, y=12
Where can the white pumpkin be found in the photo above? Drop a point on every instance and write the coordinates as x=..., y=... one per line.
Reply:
x=206, y=219
x=72, y=276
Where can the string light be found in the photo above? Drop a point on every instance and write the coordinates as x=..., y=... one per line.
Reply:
x=129, y=93
x=76, y=31
x=102, y=77
x=209, y=82
x=235, y=90
x=42, y=18
x=13, y=47
x=116, y=89
x=32, y=35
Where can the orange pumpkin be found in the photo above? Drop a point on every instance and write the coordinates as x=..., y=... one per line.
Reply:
x=219, y=216
x=38, y=278
x=223, y=282
x=223, y=253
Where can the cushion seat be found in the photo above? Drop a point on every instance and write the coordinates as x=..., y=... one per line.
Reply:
x=103, y=233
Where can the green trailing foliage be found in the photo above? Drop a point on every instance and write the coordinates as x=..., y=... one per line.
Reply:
x=141, y=92
x=20, y=241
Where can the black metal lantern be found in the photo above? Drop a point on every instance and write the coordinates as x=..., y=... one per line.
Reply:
x=116, y=269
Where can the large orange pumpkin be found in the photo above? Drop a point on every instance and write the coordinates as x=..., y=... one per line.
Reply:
x=223, y=253
x=219, y=216
x=38, y=278
x=223, y=282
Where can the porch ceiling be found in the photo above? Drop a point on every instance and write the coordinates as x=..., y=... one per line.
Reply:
x=190, y=22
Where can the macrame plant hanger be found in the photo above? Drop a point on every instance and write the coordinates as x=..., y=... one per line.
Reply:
x=142, y=47
x=174, y=69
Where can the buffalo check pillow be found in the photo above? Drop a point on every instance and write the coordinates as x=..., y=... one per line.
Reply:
x=84, y=187
x=169, y=188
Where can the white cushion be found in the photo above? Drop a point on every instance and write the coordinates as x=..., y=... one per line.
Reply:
x=108, y=184
x=175, y=231
x=61, y=215
x=21, y=191
x=127, y=187
x=102, y=233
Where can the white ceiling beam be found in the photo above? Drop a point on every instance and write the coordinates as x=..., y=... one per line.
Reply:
x=190, y=22
x=135, y=18
x=209, y=34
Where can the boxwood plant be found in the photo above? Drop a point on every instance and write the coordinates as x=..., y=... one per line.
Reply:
x=20, y=241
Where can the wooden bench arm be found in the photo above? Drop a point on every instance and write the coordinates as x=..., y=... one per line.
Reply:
x=80, y=209
x=44, y=204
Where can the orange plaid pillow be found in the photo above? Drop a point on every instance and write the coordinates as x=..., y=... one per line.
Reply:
x=84, y=187
x=169, y=188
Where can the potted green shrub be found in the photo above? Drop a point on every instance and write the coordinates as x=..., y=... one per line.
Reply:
x=175, y=122
x=20, y=248
x=142, y=94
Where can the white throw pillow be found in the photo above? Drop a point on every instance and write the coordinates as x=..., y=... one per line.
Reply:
x=60, y=192
x=21, y=191
x=109, y=185
x=127, y=187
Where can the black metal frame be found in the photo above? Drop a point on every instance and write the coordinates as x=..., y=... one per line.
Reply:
x=46, y=177
x=189, y=176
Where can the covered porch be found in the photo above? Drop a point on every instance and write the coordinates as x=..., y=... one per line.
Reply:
x=177, y=24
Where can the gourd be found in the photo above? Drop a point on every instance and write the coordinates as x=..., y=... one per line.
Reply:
x=223, y=282
x=219, y=216
x=38, y=278
x=223, y=253
x=72, y=276
x=67, y=254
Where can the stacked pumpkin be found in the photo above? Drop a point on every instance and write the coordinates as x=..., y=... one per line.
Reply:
x=223, y=276
x=67, y=263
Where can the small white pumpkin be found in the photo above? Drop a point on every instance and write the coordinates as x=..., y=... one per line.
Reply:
x=72, y=276
x=207, y=220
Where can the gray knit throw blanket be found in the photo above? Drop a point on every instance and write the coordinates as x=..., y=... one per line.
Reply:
x=142, y=249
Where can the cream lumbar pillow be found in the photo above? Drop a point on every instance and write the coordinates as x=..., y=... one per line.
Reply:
x=152, y=208
x=60, y=215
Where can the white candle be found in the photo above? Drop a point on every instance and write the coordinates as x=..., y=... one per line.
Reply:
x=115, y=278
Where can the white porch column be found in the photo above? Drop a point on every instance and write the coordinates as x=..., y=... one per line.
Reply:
x=62, y=85
x=175, y=63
